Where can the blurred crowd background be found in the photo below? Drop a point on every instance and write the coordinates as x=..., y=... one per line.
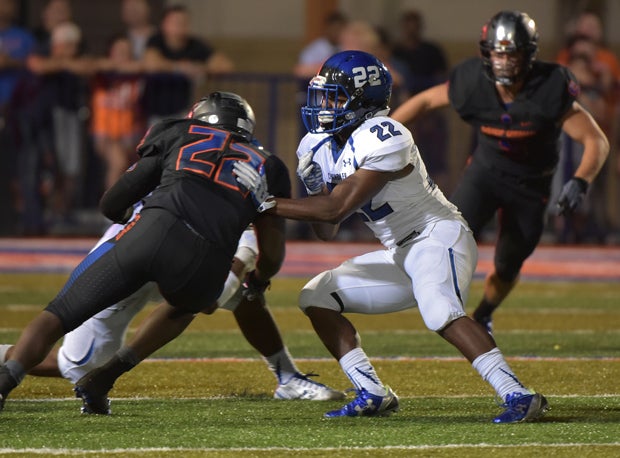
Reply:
x=82, y=80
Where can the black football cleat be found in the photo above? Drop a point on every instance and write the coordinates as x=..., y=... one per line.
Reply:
x=94, y=394
x=7, y=384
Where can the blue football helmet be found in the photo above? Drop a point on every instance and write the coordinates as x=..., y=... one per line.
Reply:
x=351, y=86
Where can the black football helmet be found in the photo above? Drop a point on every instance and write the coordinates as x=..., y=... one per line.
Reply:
x=226, y=110
x=351, y=86
x=509, y=32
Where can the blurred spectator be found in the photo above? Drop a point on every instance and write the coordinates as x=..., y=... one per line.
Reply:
x=397, y=66
x=590, y=222
x=427, y=61
x=596, y=81
x=362, y=36
x=53, y=13
x=16, y=44
x=317, y=51
x=136, y=15
x=117, y=123
x=176, y=63
x=602, y=60
x=589, y=24
x=427, y=66
x=598, y=70
x=30, y=110
x=64, y=74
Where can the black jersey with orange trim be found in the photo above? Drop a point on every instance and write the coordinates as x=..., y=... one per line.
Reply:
x=194, y=163
x=520, y=138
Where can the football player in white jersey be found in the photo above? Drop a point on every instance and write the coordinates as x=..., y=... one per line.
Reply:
x=356, y=159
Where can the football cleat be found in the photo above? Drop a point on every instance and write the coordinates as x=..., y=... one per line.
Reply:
x=94, y=394
x=368, y=405
x=300, y=386
x=7, y=384
x=522, y=407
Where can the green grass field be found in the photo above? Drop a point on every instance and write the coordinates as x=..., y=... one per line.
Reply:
x=209, y=394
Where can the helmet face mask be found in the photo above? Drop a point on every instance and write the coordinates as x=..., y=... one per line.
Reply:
x=227, y=111
x=508, y=46
x=506, y=66
x=329, y=105
x=350, y=87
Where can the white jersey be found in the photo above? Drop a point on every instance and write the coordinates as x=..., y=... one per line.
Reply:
x=404, y=208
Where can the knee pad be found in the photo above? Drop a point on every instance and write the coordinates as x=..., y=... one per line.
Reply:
x=320, y=292
x=439, y=312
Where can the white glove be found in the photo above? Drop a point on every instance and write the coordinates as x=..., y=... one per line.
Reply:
x=310, y=173
x=256, y=183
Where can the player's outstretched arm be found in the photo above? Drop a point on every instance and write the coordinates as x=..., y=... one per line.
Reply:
x=582, y=128
x=412, y=109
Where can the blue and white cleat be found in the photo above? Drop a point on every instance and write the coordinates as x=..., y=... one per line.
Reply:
x=368, y=405
x=522, y=407
x=300, y=386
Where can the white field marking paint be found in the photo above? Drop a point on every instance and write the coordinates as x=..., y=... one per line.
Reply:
x=148, y=450
x=391, y=358
x=218, y=398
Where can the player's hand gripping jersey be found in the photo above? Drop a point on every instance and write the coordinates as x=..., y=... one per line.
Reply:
x=413, y=202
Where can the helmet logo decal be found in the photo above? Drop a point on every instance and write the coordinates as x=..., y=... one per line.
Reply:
x=318, y=80
x=363, y=75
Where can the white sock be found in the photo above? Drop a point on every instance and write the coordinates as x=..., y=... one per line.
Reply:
x=3, y=349
x=231, y=286
x=282, y=365
x=494, y=369
x=361, y=373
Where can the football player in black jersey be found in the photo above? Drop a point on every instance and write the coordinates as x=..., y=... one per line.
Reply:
x=519, y=106
x=184, y=239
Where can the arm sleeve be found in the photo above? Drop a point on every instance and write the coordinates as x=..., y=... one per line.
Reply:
x=136, y=183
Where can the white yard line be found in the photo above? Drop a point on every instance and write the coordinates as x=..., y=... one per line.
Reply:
x=149, y=450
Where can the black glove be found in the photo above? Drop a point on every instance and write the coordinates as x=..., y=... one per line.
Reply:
x=253, y=288
x=572, y=195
